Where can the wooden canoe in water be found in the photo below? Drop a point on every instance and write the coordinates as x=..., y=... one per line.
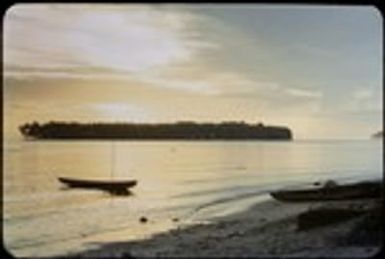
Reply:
x=117, y=187
x=362, y=190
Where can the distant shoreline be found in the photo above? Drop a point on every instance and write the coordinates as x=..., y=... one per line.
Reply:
x=175, y=131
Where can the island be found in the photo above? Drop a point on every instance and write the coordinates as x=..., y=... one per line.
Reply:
x=379, y=134
x=166, y=131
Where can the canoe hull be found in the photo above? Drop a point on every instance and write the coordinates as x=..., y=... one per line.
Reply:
x=117, y=187
x=343, y=192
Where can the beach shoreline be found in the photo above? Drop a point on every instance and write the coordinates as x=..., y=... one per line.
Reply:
x=269, y=228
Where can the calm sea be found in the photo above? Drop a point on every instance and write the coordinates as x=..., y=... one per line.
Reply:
x=179, y=182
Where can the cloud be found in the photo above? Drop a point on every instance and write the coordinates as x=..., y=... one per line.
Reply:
x=363, y=99
x=121, y=111
x=362, y=94
x=129, y=39
x=71, y=72
x=304, y=93
x=87, y=42
x=202, y=81
x=157, y=46
x=312, y=49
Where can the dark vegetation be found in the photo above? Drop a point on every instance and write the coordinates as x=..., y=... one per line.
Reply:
x=179, y=130
x=379, y=134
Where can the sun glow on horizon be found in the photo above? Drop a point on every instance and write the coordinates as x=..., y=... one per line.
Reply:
x=121, y=112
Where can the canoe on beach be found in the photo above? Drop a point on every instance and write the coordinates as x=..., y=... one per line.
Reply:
x=119, y=187
x=363, y=190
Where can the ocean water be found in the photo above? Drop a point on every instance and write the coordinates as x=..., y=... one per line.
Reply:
x=191, y=181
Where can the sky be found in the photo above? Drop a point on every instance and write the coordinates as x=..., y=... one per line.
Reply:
x=315, y=69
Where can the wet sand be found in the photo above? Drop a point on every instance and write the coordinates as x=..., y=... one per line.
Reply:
x=267, y=229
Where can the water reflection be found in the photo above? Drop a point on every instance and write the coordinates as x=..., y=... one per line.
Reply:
x=176, y=179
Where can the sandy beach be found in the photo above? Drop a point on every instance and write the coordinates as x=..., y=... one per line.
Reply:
x=268, y=229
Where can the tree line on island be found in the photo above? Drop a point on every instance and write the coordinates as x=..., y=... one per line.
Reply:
x=178, y=130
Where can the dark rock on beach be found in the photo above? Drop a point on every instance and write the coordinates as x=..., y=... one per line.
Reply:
x=324, y=216
x=369, y=230
x=143, y=219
